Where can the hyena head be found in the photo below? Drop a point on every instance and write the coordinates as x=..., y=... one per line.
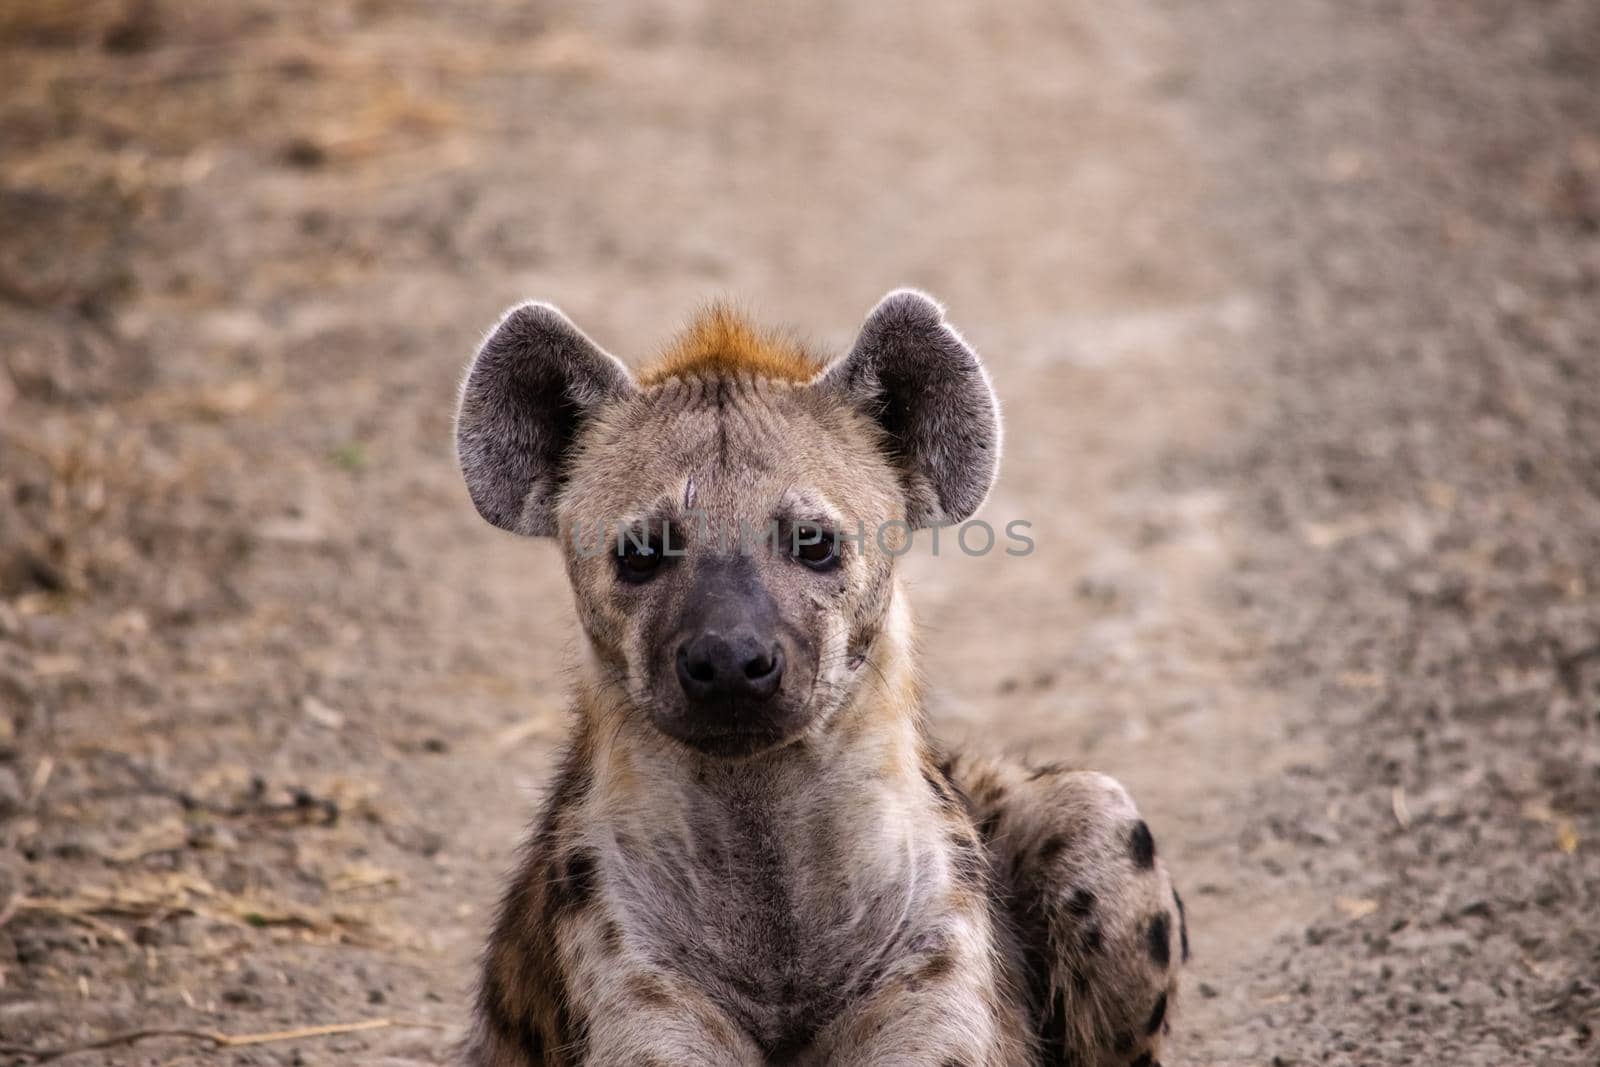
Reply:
x=730, y=516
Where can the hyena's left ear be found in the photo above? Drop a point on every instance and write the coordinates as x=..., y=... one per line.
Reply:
x=926, y=389
x=527, y=394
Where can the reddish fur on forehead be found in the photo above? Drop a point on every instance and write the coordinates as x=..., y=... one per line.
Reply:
x=720, y=341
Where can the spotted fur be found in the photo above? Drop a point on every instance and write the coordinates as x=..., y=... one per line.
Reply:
x=1095, y=912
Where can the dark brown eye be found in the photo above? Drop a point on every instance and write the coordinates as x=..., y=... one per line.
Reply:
x=815, y=546
x=639, y=558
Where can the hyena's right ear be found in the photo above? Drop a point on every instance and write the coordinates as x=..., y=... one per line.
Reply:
x=526, y=394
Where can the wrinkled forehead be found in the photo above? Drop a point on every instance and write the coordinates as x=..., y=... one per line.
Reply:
x=730, y=450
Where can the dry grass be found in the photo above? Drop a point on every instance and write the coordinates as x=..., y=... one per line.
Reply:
x=147, y=898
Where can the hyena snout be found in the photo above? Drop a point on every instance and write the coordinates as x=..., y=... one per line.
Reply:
x=741, y=665
x=736, y=666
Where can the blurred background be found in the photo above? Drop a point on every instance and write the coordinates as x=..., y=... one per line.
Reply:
x=1294, y=307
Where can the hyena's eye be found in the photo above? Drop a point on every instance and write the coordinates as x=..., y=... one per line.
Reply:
x=640, y=557
x=815, y=546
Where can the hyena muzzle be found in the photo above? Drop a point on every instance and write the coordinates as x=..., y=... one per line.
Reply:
x=753, y=852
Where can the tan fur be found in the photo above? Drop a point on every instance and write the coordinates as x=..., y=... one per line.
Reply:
x=720, y=341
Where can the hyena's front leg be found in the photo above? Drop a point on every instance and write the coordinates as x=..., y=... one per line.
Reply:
x=639, y=1018
x=647, y=1018
x=562, y=988
x=1102, y=930
x=948, y=1002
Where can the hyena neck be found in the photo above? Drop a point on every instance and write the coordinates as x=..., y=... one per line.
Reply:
x=786, y=879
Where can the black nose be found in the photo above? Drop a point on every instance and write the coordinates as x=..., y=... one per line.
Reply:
x=736, y=666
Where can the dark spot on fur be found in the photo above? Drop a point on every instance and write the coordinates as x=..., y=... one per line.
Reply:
x=1037, y=961
x=572, y=883
x=502, y=1017
x=1158, y=939
x=936, y=967
x=1183, y=926
x=1145, y=1060
x=571, y=786
x=936, y=782
x=491, y=997
x=796, y=1038
x=1045, y=771
x=1093, y=940
x=1053, y=1033
x=1051, y=848
x=953, y=1062
x=971, y=867
x=990, y=823
x=1142, y=846
x=1158, y=1014
x=567, y=1031
x=650, y=989
x=1081, y=904
x=533, y=1043
x=513, y=1025
x=611, y=937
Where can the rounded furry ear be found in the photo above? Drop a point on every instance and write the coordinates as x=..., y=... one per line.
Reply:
x=527, y=392
x=926, y=389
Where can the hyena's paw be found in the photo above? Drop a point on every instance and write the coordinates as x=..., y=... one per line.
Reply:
x=1102, y=930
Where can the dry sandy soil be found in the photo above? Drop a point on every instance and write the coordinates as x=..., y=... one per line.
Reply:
x=1294, y=306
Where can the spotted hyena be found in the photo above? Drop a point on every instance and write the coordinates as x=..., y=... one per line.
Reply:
x=754, y=852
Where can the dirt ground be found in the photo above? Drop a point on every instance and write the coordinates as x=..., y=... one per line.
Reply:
x=1294, y=307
